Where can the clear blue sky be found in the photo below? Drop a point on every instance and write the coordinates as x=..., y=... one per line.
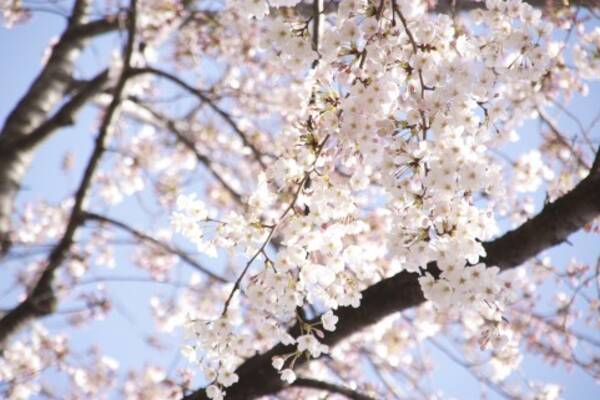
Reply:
x=122, y=335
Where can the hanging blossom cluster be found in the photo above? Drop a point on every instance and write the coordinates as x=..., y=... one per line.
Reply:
x=387, y=170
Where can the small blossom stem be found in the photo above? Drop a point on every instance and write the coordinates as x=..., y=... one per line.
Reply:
x=90, y=216
x=415, y=47
x=272, y=230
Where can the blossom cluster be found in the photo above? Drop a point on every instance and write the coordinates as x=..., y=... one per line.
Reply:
x=311, y=157
x=407, y=109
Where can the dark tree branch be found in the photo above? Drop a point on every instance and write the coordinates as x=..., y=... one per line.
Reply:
x=551, y=226
x=41, y=300
x=147, y=238
x=55, y=78
x=332, y=388
x=98, y=27
x=46, y=91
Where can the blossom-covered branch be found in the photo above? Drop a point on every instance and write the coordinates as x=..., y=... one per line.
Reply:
x=550, y=227
x=347, y=166
x=449, y=6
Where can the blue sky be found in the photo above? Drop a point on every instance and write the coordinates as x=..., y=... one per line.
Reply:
x=122, y=334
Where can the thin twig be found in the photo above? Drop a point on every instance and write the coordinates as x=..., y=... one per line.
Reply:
x=274, y=227
x=198, y=93
x=415, y=47
x=86, y=215
x=560, y=137
x=171, y=125
x=498, y=389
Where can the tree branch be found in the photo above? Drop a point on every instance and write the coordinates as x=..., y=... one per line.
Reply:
x=445, y=6
x=170, y=125
x=317, y=23
x=52, y=82
x=86, y=215
x=551, y=226
x=223, y=114
x=46, y=91
x=561, y=139
x=66, y=115
x=41, y=300
x=331, y=387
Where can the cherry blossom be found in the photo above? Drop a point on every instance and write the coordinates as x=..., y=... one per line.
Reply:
x=310, y=190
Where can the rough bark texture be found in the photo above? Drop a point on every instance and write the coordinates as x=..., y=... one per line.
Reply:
x=17, y=139
x=550, y=227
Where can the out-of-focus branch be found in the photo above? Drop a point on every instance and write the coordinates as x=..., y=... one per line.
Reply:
x=562, y=140
x=469, y=368
x=50, y=85
x=170, y=125
x=101, y=26
x=46, y=91
x=384, y=377
x=332, y=388
x=86, y=215
x=66, y=115
x=41, y=300
x=205, y=99
x=549, y=227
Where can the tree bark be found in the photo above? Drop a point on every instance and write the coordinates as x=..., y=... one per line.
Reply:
x=46, y=92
